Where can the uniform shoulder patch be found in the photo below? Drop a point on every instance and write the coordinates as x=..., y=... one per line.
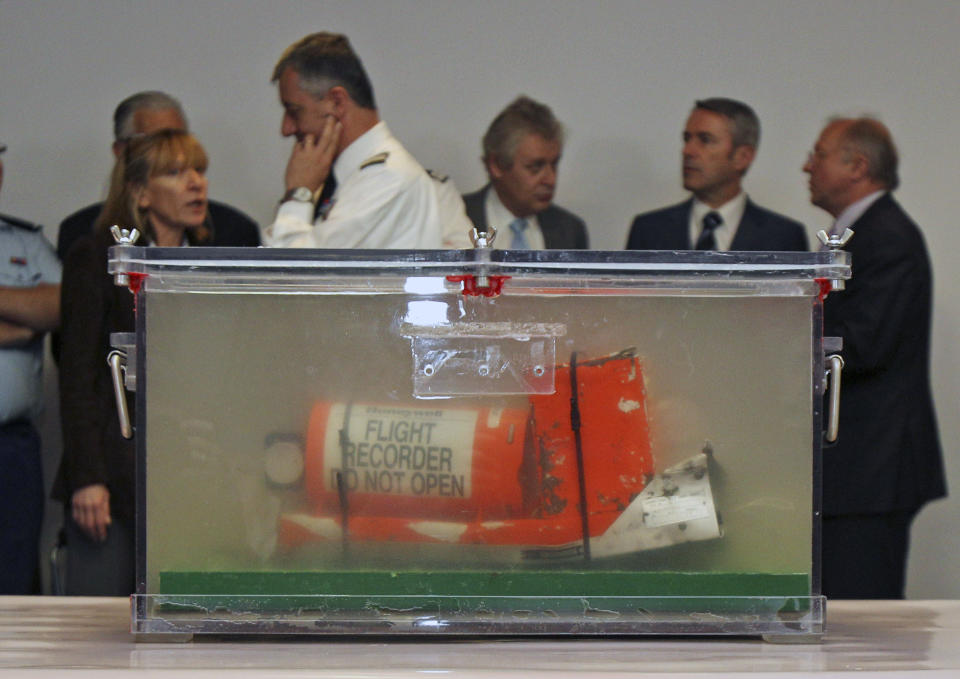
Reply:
x=378, y=159
x=19, y=223
x=436, y=176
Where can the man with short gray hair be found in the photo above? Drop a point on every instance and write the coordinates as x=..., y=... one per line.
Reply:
x=145, y=113
x=887, y=462
x=521, y=153
x=349, y=183
x=720, y=141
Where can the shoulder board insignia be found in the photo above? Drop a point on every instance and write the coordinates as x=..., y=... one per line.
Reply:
x=442, y=178
x=19, y=223
x=375, y=160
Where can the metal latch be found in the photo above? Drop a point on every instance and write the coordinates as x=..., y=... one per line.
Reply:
x=831, y=376
x=123, y=370
x=116, y=359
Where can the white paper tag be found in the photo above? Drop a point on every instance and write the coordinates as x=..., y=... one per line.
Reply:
x=665, y=511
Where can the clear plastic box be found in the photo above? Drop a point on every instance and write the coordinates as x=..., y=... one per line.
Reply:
x=380, y=442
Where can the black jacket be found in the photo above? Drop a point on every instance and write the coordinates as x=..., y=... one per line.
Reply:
x=759, y=229
x=888, y=455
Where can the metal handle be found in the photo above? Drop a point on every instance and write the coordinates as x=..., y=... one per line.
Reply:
x=833, y=415
x=115, y=359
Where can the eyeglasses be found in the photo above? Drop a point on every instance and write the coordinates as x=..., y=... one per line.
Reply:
x=819, y=155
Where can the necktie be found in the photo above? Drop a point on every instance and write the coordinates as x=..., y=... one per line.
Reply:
x=707, y=241
x=326, y=193
x=519, y=226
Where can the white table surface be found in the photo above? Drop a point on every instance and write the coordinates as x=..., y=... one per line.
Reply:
x=87, y=637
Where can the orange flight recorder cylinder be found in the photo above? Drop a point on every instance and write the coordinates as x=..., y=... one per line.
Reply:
x=365, y=459
x=553, y=476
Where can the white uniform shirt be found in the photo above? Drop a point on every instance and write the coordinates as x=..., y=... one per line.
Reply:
x=731, y=212
x=384, y=199
x=454, y=223
x=500, y=217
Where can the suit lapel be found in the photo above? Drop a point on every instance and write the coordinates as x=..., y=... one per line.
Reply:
x=680, y=227
x=550, y=230
x=747, y=235
x=876, y=211
x=477, y=210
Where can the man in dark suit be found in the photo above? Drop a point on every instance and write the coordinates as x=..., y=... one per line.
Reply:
x=719, y=144
x=521, y=153
x=145, y=113
x=887, y=462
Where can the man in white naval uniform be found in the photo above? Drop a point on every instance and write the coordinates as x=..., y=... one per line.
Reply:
x=377, y=195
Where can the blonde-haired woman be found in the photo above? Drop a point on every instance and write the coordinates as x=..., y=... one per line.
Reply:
x=159, y=186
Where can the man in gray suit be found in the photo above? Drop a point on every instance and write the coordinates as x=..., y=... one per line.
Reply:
x=719, y=143
x=521, y=152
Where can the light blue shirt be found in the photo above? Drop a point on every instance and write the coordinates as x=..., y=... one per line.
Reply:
x=500, y=217
x=26, y=259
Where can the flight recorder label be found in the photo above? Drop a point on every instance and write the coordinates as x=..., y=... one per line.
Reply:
x=401, y=451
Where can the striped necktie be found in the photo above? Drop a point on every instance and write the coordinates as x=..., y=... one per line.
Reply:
x=707, y=240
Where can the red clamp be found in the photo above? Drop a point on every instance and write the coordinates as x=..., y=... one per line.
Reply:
x=826, y=286
x=135, y=282
x=471, y=289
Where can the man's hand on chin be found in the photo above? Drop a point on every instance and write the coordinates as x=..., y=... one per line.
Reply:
x=312, y=157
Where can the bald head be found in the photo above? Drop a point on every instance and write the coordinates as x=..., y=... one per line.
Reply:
x=852, y=158
x=871, y=139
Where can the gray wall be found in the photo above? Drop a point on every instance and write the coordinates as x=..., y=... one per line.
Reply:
x=621, y=74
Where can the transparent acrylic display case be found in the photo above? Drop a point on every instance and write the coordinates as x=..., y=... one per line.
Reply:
x=477, y=442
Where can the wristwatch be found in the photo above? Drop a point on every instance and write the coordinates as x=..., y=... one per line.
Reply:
x=301, y=194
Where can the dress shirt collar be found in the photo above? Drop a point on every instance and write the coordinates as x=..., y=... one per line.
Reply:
x=854, y=211
x=366, y=145
x=500, y=217
x=731, y=212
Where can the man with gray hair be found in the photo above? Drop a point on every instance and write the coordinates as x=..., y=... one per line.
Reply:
x=521, y=153
x=887, y=462
x=145, y=113
x=349, y=183
x=720, y=141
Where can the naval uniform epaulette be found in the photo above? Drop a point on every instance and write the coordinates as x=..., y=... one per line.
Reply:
x=378, y=159
x=442, y=178
x=20, y=223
